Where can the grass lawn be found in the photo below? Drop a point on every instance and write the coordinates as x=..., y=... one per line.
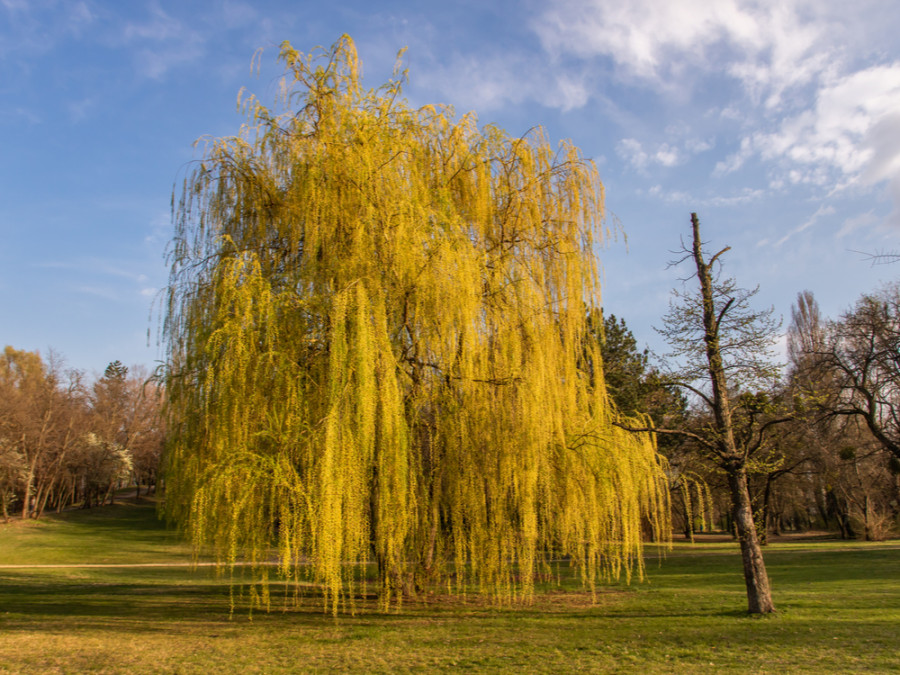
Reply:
x=839, y=611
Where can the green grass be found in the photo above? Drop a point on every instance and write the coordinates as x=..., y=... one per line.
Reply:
x=123, y=533
x=839, y=611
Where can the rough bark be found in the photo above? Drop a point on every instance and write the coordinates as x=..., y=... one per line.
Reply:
x=759, y=596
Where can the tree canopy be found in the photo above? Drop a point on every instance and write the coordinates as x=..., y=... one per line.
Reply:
x=375, y=321
x=856, y=365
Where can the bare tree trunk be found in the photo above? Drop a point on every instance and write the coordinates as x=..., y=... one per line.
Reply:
x=734, y=461
x=26, y=498
x=867, y=523
x=759, y=596
x=40, y=500
x=766, y=515
x=688, y=516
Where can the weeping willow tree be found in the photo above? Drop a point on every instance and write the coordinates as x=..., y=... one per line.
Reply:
x=376, y=336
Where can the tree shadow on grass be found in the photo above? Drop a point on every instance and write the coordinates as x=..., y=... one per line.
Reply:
x=158, y=600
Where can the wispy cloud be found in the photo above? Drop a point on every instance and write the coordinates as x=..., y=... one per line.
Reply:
x=96, y=267
x=849, y=138
x=633, y=152
x=852, y=225
x=824, y=210
x=159, y=231
x=487, y=82
x=36, y=27
x=816, y=104
x=767, y=44
x=159, y=27
x=165, y=42
x=14, y=5
x=837, y=131
x=80, y=110
x=103, y=292
x=112, y=281
x=20, y=114
x=742, y=196
x=666, y=154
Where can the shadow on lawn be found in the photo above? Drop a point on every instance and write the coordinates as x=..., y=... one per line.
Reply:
x=176, y=601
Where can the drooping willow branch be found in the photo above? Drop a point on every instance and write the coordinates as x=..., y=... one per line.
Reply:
x=429, y=429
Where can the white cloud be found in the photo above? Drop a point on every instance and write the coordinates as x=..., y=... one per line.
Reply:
x=631, y=151
x=834, y=131
x=97, y=267
x=696, y=146
x=731, y=113
x=37, y=27
x=820, y=106
x=159, y=230
x=160, y=27
x=848, y=138
x=667, y=154
x=851, y=225
x=769, y=45
x=823, y=210
x=490, y=81
x=20, y=114
x=743, y=196
x=735, y=160
x=156, y=63
x=163, y=43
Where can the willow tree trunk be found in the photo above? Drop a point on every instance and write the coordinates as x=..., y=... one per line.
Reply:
x=759, y=597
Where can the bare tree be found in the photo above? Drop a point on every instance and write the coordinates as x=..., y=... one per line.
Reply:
x=41, y=417
x=125, y=407
x=724, y=348
x=12, y=471
x=806, y=334
x=855, y=371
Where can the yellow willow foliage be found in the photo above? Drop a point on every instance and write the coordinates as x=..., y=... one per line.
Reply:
x=375, y=323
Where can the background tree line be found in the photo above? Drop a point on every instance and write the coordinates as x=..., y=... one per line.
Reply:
x=829, y=458
x=64, y=442
x=833, y=466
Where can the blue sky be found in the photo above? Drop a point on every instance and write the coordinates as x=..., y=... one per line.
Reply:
x=778, y=122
